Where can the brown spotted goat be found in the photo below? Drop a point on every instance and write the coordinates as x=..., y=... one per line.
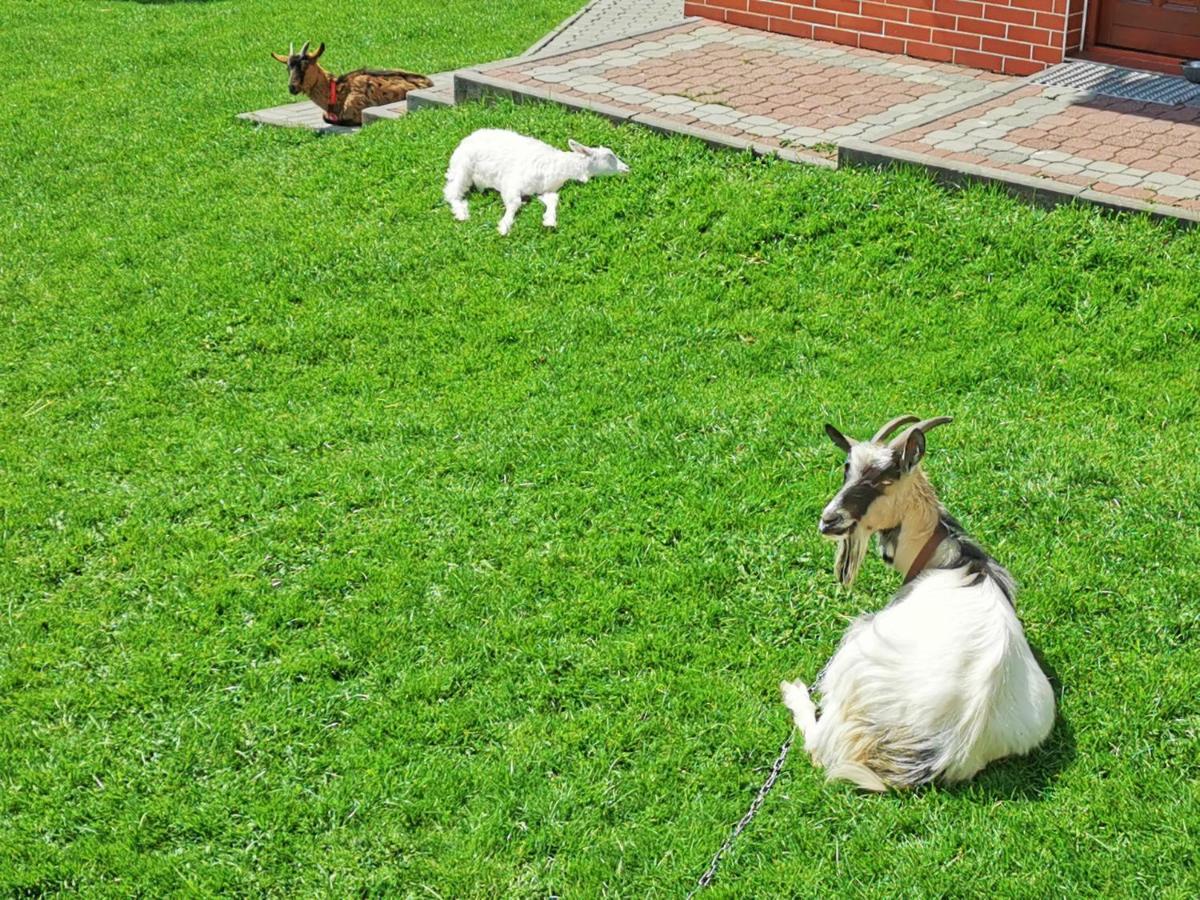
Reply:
x=344, y=97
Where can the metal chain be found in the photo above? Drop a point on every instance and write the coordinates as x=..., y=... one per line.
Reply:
x=776, y=768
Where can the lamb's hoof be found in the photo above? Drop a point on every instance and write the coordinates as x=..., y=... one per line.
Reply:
x=461, y=216
x=546, y=224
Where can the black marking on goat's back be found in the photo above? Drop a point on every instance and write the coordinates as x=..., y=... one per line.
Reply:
x=385, y=73
x=977, y=561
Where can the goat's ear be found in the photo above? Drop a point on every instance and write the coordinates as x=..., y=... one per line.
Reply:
x=279, y=58
x=913, y=450
x=838, y=438
x=315, y=56
x=579, y=148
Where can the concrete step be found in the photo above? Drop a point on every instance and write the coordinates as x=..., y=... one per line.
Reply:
x=304, y=114
x=441, y=94
x=387, y=111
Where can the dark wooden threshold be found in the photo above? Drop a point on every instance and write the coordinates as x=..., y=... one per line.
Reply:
x=1132, y=59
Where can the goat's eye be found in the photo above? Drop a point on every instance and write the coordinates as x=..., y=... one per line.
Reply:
x=886, y=482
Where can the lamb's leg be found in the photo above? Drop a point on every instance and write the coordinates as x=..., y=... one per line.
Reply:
x=512, y=203
x=550, y=219
x=795, y=698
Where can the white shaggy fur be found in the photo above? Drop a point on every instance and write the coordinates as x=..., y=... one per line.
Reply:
x=946, y=679
x=941, y=681
x=518, y=167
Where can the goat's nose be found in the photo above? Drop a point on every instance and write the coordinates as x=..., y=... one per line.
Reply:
x=831, y=523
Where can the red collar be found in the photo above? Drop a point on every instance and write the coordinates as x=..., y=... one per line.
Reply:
x=926, y=552
x=332, y=93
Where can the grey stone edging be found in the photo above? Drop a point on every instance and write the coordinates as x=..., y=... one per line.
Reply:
x=1043, y=192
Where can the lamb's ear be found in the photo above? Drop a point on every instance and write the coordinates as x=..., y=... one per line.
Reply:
x=579, y=148
x=278, y=58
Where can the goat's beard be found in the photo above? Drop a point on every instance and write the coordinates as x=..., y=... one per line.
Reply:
x=851, y=551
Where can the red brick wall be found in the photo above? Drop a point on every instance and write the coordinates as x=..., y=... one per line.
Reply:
x=1017, y=37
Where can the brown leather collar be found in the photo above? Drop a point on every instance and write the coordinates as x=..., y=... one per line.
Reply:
x=918, y=566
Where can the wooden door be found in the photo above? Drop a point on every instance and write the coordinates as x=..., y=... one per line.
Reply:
x=1167, y=27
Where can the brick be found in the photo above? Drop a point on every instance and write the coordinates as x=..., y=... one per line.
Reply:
x=787, y=26
x=908, y=32
x=1037, y=36
x=988, y=61
x=880, y=43
x=929, y=51
x=932, y=19
x=1049, y=55
x=1037, y=5
x=913, y=4
x=1022, y=66
x=814, y=16
x=835, y=35
x=841, y=6
x=695, y=9
x=860, y=23
x=960, y=8
x=769, y=8
x=955, y=39
x=982, y=26
x=1052, y=21
x=739, y=5
x=885, y=11
x=747, y=20
x=1009, y=15
x=1006, y=48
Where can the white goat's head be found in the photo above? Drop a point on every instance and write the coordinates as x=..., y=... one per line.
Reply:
x=601, y=160
x=874, y=493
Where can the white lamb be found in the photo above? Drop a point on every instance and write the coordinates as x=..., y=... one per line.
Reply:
x=518, y=167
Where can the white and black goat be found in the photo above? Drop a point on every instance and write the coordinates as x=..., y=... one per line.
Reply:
x=941, y=681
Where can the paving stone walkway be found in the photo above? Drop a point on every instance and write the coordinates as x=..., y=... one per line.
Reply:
x=607, y=20
x=800, y=98
x=770, y=89
x=1124, y=148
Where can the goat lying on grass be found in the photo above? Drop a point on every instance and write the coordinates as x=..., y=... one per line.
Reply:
x=345, y=97
x=941, y=681
x=518, y=167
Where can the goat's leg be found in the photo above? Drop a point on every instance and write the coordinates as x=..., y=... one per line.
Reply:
x=353, y=107
x=512, y=203
x=550, y=219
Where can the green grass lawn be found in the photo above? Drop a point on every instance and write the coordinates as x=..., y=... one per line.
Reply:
x=348, y=549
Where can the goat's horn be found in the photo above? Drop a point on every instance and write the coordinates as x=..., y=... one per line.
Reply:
x=883, y=433
x=304, y=49
x=291, y=48
x=923, y=426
